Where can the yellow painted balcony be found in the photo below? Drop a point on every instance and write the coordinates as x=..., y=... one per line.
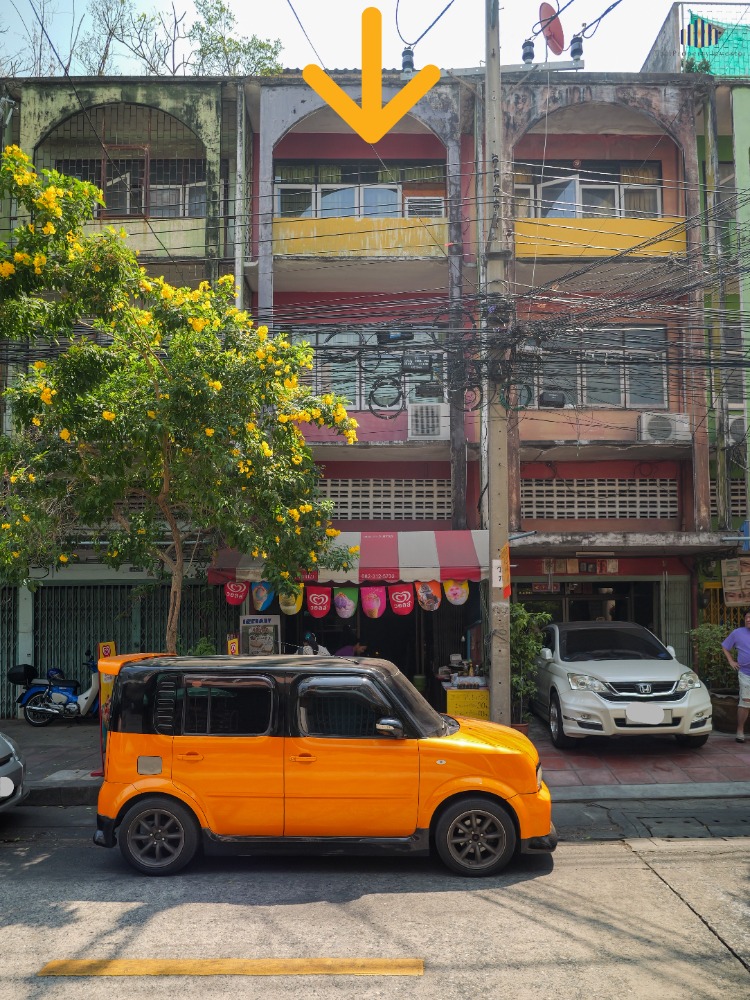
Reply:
x=347, y=237
x=600, y=237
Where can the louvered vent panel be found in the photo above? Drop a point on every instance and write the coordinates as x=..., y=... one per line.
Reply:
x=389, y=499
x=738, y=498
x=424, y=206
x=583, y=499
x=164, y=707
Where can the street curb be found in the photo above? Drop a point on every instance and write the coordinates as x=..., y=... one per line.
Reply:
x=75, y=793
x=655, y=792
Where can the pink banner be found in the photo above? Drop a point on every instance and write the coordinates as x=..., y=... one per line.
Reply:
x=373, y=601
x=236, y=592
x=318, y=601
x=401, y=598
x=428, y=595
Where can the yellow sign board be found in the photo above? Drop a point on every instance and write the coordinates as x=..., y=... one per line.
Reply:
x=474, y=704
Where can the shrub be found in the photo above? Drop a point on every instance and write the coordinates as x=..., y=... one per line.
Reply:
x=708, y=657
x=525, y=645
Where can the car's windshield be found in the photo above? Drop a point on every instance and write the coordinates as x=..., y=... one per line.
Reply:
x=610, y=644
x=428, y=720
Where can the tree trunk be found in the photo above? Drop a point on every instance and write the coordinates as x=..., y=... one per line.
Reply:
x=175, y=600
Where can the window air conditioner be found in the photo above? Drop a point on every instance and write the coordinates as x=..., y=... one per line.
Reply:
x=664, y=428
x=737, y=430
x=424, y=207
x=428, y=421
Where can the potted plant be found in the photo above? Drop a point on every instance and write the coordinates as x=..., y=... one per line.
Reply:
x=525, y=645
x=721, y=680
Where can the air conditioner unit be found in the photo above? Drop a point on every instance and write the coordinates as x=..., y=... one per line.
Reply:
x=423, y=206
x=664, y=428
x=737, y=430
x=428, y=421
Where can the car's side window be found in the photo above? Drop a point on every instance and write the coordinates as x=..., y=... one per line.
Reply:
x=228, y=706
x=343, y=707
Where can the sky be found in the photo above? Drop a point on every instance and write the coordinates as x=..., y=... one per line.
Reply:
x=621, y=42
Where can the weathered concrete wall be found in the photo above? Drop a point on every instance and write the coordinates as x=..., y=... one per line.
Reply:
x=664, y=56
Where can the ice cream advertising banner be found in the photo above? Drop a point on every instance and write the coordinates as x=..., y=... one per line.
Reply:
x=291, y=604
x=401, y=598
x=345, y=601
x=373, y=601
x=318, y=601
x=263, y=594
x=456, y=591
x=236, y=591
x=429, y=594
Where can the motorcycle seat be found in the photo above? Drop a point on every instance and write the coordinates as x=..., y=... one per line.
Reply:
x=66, y=682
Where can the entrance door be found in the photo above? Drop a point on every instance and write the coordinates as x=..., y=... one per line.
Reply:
x=341, y=777
x=227, y=756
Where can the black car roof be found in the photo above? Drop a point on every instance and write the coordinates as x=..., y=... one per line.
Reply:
x=574, y=626
x=262, y=664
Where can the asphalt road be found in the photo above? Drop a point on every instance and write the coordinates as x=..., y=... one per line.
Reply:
x=601, y=919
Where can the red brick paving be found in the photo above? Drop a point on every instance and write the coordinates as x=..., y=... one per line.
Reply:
x=640, y=760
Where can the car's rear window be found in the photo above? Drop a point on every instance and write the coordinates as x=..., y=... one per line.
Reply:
x=610, y=644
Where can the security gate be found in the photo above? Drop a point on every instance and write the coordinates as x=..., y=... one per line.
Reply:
x=8, y=656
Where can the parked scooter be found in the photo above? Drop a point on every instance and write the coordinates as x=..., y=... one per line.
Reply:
x=56, y=698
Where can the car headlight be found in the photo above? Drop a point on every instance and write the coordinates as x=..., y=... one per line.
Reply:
x=585, y=682
x=688, y=680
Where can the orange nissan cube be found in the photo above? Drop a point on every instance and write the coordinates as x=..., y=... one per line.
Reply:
x=310, y=754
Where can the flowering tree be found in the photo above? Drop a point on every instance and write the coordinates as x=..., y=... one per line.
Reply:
x=178, y=431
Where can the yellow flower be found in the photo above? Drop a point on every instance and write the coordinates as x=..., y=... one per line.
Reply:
x=197, y=323
x=46, y=396
x=354, y=549
x=108, y=415
x=151, y=413
x=49, y=229
x=262, y=332
x=163, y=395
x=215, y=385
x=250, y=426
x=4, y=526
x=26, y=518
x=21, y=258
x=16, y=555
x=332, y=532
x=40, y=365
x=32, y=477
x=284, y=575
x=314, y=557
x=6, y=269
x=280, y=518
x=14, y=479
x=65, y=434
x=63, y=559
x=36, y=421
x=40, y=260
x=167, y=292
x=208, y=431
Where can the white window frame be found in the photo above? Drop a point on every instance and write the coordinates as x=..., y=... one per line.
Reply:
x=316, y=200
x=535, y=194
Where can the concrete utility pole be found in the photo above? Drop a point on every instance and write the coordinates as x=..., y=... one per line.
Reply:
x=497, y=437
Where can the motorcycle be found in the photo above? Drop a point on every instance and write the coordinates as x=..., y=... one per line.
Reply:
x=58, y=697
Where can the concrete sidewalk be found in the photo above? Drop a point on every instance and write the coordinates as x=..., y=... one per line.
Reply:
x=62, y=760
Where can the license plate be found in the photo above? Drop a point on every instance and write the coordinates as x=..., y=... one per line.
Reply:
x=645, y=714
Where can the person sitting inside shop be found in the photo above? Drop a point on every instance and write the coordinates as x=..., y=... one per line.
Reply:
x=312, y=647
x=354, y=648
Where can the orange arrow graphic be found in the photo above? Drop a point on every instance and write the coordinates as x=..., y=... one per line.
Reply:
x=372, y=120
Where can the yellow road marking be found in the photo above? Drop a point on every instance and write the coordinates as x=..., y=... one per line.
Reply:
x=234, y=967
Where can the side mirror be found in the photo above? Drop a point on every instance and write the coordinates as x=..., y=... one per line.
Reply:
x=546, y=653
x=670, y=650
x=390, y=727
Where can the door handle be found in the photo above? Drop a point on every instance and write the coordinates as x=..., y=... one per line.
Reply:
x=191, y=755
x=304, y=758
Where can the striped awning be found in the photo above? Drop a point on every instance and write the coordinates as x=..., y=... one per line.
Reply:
x=387, y=556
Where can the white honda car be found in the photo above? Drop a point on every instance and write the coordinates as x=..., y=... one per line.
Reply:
x=617, y=679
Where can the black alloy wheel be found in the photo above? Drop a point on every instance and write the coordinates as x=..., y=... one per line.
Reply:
x=475, y=837
x=158, y=836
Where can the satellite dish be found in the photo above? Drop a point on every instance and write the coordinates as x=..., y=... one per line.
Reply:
x=552, y=29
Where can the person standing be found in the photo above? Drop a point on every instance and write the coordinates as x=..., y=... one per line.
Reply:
x=739, y=640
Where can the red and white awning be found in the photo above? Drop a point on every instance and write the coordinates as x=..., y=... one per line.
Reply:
x=386, y=556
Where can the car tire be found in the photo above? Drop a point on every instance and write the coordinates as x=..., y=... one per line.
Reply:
x=557, y=734
x=694, y=742
x=475, y=837
x=158, y=836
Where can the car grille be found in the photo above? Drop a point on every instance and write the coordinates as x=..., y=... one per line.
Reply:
x=624, y=724
x=627, y=691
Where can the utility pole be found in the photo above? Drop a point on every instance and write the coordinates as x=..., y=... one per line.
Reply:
x=496, y=253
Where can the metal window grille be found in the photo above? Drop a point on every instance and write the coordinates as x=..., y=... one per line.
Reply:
x=572, y=499
x=389, y=499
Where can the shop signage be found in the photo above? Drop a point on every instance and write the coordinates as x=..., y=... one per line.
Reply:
x=401, y=598
x=735, y=580
x=373, y=601
x=318, y=601
x=259, y=634
x=291, y=604
x=263, y=594
x=345, y=601
x=236, y=591
x=429, y=594
x=456, y=591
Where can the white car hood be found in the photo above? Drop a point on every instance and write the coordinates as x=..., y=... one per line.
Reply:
x=627, y=670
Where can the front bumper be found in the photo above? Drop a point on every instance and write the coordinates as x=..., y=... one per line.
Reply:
x=14, y=771
x=585, y=713
x=541, y=845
